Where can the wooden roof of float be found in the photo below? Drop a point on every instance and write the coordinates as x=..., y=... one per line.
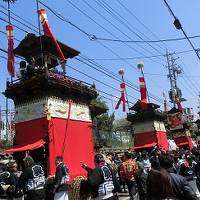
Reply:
x=150, y=113
x=30, y=47
x=173, y=110
x=150, y=106
x=146, y=115
x=49, y=84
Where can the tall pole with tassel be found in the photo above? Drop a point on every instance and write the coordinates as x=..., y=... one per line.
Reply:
x=121, y=73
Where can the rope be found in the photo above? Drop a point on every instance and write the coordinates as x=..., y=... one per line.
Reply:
x=67, y=125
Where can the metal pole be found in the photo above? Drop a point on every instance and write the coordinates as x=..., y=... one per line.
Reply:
x=11, y=78
x=7, y=122
x=0, y=122
x=170, y=78
x=40, y=35
x=126, y=93
x=142, y=72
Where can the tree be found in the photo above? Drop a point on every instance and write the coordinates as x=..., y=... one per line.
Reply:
x=123, y=131
x=5, y=144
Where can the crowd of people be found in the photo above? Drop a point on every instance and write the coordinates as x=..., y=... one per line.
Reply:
x=157, y=175
x=153, y=175
x=31, y=183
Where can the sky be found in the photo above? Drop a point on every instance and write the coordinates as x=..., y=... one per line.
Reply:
x=124, y=20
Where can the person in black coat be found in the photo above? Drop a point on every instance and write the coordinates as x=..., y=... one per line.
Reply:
x=13, y=191
x=102, y=180
x=163, y=183
x=32, y=180
x=61, y=180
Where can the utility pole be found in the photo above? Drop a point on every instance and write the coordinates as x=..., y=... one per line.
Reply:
x=199, y=105
x=174, y=70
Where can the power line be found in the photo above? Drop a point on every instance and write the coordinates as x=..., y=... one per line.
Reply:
x=75, y=69
x=19, y=22
x=116, y=77
x=179, y=27
x=91, y=37
x=58, y=15
x=152, y=33
x=148, y=41
x=138, y=20
x=152, y=97
x=190, y=86
x=6, y=58
x=5, y=51
x=19, y=28
x=122, y=21
x=148, y=29
x=140, y=57
x=19, y=17
x=6, y=36
x=101, y=26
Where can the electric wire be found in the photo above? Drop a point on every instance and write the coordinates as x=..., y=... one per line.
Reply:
x=97, y=37
x=77, y=8
x=6, y=36
x=140, y=57
x=148, y=41
x=75, y=69
x=123, y=21
x=155, y=36
x=175, y=18
x=19, y=17
x=58, y=15
x=19, y=28
x=109, y=86
x=189, y=50
x=101, y=43
x=116, y=77
x=185, y=85
x=158, y=40
x=13, y=18
x=116, y=27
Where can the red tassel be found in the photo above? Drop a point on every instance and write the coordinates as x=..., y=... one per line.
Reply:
x=11, y=58
x=179, y=104
x=143, y=93
x=122, y=98
x=48, y=32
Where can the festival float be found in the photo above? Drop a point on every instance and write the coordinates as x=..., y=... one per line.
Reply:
x=148, y=122
x=179, y=125
x=52, y=110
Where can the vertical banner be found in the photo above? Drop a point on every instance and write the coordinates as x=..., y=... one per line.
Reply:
x=179, y=104
x=11, y=60
x=143, y=93
x=122, y=98
x=175, y=120
x=48, y=32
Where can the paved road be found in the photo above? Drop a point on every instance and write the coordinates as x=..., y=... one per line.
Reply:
x=123, y=196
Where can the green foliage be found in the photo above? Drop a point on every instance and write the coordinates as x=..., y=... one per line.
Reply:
x=194, y=131
x=99, y=103
x=121, y=125
x=112, y=133
x=5, y=144
x=105, y=122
